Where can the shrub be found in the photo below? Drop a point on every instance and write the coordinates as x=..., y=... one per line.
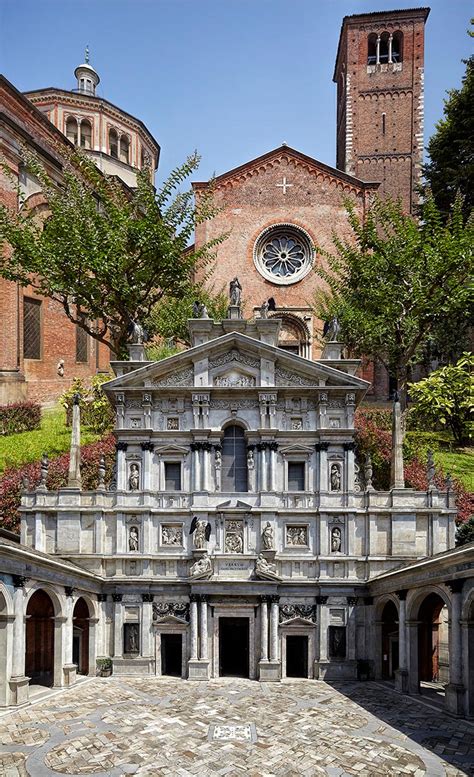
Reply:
x=19, y=417
x=11, y=482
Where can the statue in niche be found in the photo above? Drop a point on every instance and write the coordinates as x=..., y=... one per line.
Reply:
x=202, y=567
x=335, y=478
x=201, y=531
x=132, y=646
x=336, y=539
x=134, y=478
x=264, y=309
x=337, y=641
x=133, y=538
x=218, y=458
x=267, y=537
x=250, y=459
x=265, y=569
x=235, y=292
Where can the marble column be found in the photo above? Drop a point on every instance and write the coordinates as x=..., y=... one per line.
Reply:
x=206, y=454
x=323, y=627
x=102, y=646
x=147, y=448
x=147, y=621
x=118, y=616
x=263, y=468
x=455, y=688
x=273, y=464
x=377, y=50
x=204, y=637
x=390, y=48
x=274, y=652
x=196, y=467
x=121, y=466
x=18, y=663
x=401, y=674
x=69, y=626
x=351, y=627
x=193, y=617
x=264, y=628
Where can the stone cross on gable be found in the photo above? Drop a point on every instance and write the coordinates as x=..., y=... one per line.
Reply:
x=284, y=186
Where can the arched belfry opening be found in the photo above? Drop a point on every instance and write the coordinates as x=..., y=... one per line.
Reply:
x=39, y=660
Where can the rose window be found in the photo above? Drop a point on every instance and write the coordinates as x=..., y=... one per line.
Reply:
x=283, y=254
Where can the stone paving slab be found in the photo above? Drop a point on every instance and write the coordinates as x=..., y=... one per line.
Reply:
x=161, y=726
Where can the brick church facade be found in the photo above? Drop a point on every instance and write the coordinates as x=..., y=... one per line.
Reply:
x=279, y=207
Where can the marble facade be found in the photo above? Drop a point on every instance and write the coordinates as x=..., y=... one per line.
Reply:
x=171, y=555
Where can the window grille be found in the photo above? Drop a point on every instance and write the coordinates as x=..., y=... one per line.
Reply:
x=172, y=476
x=296, y=476
x=31, y=328
x=82, y=342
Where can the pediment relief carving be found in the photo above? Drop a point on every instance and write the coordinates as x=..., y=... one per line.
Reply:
x=233, y=378
x=175, y=449
x=302, y=449
x=184, y=377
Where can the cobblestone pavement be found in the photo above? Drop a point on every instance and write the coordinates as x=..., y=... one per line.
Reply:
x=157, y=726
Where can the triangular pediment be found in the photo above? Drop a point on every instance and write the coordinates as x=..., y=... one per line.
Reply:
x=172, y=449
x=281, y=157
x=298, y=622
x=170, y=619
x=297, y=448
x=239, y=358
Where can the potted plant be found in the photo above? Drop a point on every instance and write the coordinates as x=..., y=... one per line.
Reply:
x=104, y=667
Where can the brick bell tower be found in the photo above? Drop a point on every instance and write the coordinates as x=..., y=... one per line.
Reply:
x=379, y=75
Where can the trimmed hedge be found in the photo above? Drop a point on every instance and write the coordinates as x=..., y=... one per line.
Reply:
x=19, y=417
x=11, y=483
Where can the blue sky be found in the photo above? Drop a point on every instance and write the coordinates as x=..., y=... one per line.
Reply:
x=231, y=78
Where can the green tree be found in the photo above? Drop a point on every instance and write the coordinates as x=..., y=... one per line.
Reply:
x=447, y=397
x=451, y=148
x=465, y=532
x=108, y=254
x=394, y=280
x=169, y=318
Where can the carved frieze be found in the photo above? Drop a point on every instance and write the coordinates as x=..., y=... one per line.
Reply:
x=286, y=378
x=172, y=534
x=182, y=378
x=288, y=612
x=175, y=609
x=234, y=537
x=233, y=356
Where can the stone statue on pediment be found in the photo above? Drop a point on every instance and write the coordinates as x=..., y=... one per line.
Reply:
x=235, y=292
x=201, y=568
x=265, y=569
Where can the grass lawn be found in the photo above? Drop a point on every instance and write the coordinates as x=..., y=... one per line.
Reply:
x=459, y=462
x=53, y=438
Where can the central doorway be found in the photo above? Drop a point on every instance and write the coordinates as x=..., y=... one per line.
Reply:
x=296, y=655
x=171, y=654
x=234, y=647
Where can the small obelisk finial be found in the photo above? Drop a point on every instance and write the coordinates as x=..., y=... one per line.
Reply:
x=74, y=475
x=86, y=59
x=397, y=472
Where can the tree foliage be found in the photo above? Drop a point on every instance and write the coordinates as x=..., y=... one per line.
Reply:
x=447, y=397
x=451, y=148
x=395, y=279
x=169, y=318
x=465, y=532
x=108, y=254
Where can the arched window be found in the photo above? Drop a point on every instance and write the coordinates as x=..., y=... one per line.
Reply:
x=383, y=57
x=86, y=134
x=113, y=143
x=234, y=460
x=397, y=47
x=71, y=130
x=372, y=49
x=124, y=149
